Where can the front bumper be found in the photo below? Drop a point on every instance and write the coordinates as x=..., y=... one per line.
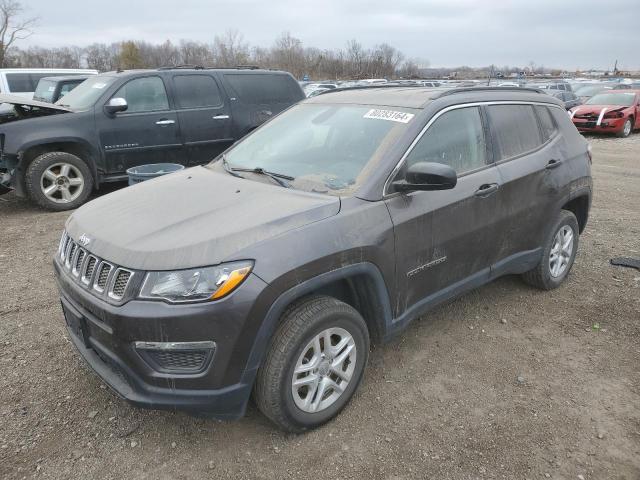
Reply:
x=607, y=125
x=106, y=335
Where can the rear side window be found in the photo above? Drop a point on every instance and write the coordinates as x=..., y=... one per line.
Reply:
x=515, y=129
x=547, y=124
x=196, y=91
x=258, y=88
x=456, y=139
x=146, y=94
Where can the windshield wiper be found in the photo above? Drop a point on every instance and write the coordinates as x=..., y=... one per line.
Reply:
x=261, y=171
x=228, y=168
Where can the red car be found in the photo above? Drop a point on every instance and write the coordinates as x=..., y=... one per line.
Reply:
x=612, y=111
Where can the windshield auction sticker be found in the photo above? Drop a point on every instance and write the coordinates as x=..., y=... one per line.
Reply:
x=391, y=115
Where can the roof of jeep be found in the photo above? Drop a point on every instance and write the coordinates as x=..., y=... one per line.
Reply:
x=420, y=97
x=182, y=70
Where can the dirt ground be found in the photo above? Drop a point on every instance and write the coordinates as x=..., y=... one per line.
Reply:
x=443, y=401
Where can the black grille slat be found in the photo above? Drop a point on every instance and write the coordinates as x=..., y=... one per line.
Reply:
x=78, y=263
x=103, y=276
x=177, y=360
x=120, y=283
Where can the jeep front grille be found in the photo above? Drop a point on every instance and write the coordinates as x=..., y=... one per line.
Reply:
x=100, y=277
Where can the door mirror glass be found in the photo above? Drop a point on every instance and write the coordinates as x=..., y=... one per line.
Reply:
x=427, y=176
x=115, y=105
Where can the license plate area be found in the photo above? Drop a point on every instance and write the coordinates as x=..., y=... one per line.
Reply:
x=77, y=324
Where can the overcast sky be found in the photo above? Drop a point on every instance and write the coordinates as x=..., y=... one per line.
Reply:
x=554, y=33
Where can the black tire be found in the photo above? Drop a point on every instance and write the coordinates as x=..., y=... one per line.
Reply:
x=300, y=324
x=541, y=276
x=624, y=133
x=35, y=187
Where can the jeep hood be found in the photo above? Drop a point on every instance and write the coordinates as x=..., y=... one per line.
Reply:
x=192, y=218
x=26, y=102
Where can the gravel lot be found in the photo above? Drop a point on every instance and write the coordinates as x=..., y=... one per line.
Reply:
x=443, y=401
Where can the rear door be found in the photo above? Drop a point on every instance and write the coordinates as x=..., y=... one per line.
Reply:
x=528, y=151
x=445, y=238
x=205, y=119
x=147, y=132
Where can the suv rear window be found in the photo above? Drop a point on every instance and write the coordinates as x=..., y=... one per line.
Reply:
x=515, y=128
x=263, y=88
x=546, y=122
x=196, y=91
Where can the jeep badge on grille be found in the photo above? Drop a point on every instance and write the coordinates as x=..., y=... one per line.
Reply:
x=84, y=240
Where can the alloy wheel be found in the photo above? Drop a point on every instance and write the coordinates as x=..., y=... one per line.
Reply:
x=561, y=251
x=323, y=370
x=62, y=183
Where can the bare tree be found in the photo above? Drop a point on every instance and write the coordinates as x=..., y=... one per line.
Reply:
x=12, y=28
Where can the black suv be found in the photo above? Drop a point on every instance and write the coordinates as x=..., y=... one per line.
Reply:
x=57, y=154
x=335, y=224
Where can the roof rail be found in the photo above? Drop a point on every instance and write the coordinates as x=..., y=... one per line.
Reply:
x=185, y=66
x=378, y=85
x=451, y=91
x=247, y=67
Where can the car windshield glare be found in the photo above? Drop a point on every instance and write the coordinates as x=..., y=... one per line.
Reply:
x=85, y=95
x=44, y=90
x=326, y=148
x=622, y=99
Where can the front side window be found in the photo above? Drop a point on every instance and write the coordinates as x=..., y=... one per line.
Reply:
x=456, y=139
x=193, y=91
x=515, y=129
x=326, y=148
x=146, y=94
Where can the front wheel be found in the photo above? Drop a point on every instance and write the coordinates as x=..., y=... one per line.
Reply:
x=558, y=255
x=626, y=129
x=58, y=181
x=314, y=365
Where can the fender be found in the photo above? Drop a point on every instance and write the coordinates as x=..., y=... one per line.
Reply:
x=272, y=318
x=41, y=142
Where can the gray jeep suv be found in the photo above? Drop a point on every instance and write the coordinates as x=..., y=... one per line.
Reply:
x=335, y=224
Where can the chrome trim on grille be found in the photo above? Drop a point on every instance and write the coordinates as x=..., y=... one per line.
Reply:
x=103, y=279
x=114, y=280
x=205, y=345
x=99, y=269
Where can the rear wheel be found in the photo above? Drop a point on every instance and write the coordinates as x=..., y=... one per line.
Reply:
x=58, y=181
x=315, y=364
x=626, y=128
x=559, y=253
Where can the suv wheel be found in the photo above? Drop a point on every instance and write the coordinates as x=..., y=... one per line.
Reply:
x=558, y=254
x=58, y=181
x=626, y=128
x=314, y=365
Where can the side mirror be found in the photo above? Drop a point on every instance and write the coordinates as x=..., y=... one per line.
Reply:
x=115, y=105
x=427, y=176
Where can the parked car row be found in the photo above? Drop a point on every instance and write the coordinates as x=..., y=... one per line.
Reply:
x=56, y=154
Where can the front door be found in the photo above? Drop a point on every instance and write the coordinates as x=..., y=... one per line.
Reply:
x=147, y=132
x=444, y=239
x=204, y=116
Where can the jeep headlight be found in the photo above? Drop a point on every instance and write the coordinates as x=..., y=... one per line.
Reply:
x=195, y=284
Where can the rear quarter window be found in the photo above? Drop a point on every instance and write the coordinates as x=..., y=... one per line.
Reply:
x=515, y=129
x=20, y=82
x=264, y=88
x=547, y=124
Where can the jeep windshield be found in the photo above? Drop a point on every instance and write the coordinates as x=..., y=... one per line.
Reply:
x=85, y=95
x=325, y=148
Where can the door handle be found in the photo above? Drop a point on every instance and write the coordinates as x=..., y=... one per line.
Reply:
x=487, y=189
x=221, y=117
x=553, y=163
x=165, y=121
